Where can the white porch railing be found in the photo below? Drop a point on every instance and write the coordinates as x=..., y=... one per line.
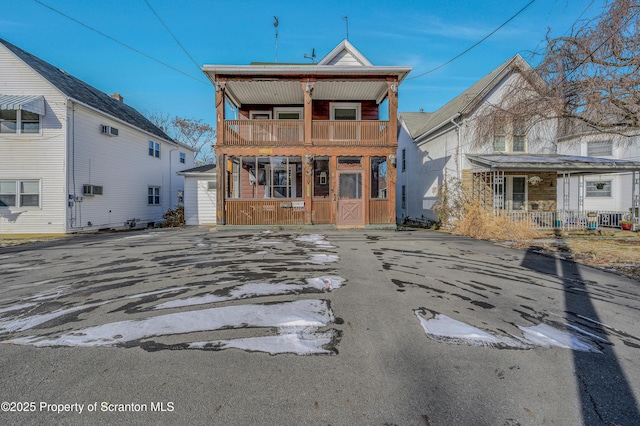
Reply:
x=569, y=219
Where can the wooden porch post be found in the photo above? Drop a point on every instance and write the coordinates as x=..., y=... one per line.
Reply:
x=307, y=161
x=220, y=159
x=392, y=140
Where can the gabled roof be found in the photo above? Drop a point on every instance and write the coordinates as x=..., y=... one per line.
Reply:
x=420, y=126
x=207, y=169
x=82, y=92
x=345, y=54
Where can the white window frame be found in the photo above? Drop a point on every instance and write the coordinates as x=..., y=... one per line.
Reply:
x=259, y=132
x=157, y=192
x=19, y=125
x=183, y=158
x=607, y=144
x=279, y=110
x=345, y=105
x=509, y=200
x=154, y=149
x=253, y=113
x=18, y=194
x=594, y=190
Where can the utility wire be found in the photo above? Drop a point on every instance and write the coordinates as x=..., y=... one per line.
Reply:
x=173, y=35
x=476, y=44
x=121, y=43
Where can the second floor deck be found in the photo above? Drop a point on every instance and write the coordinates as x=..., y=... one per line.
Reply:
x=292, y=133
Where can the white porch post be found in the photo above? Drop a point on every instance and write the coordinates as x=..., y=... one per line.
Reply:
x=635, y=194
x=580, y=193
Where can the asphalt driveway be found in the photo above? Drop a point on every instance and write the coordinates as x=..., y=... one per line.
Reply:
x=333, y=327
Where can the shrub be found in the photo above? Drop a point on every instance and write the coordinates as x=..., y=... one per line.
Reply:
x=174, y=217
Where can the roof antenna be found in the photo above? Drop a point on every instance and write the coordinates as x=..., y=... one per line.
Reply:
x=312, y=57
x=346, y=19
x=275, y=24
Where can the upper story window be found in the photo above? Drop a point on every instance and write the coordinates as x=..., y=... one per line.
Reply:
x=19, y=193
x=19, y=122
x=599, y=148
x=345, y=111
x=154, y=149
x=183, y=157
x=512, y=138
x=404, y=159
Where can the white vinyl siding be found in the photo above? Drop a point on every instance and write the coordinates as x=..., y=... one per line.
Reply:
x=38, y=156
x=200, y=200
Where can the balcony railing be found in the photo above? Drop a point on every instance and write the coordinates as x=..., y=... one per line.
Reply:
x=291, y=133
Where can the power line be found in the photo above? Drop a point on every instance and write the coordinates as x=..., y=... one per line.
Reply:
x=474, y=45
x=173, y=35
x=121, y=43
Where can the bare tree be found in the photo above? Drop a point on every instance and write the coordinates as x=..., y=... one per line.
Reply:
x=189, y=131
x=589, y=80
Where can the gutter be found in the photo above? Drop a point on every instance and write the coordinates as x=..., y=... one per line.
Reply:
x=439, y=126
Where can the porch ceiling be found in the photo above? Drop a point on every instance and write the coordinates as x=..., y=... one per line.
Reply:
x=283, y=92
x=283, y=84
x=552, y=163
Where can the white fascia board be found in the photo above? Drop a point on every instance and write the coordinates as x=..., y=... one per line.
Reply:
x=267, y=70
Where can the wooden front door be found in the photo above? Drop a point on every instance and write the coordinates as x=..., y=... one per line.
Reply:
x=350, y=199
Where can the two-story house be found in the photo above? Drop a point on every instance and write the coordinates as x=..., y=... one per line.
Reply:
x=73, y=158
x=516, y=173
x=307, y=144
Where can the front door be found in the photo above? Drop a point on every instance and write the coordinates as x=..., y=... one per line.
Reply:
x=350, y=199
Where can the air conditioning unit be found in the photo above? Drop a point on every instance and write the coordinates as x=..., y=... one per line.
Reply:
x=91, y=190
x=108, y=130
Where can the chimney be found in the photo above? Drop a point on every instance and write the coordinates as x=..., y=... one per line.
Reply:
x=118, y=97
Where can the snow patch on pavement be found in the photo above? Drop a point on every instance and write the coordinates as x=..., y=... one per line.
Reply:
x=443, y=329
x=301, y=313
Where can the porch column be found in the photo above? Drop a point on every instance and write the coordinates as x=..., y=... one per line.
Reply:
x=307, y=87
x=307, y=163
x=220, y=163
x=635, y=194
x=392, y=140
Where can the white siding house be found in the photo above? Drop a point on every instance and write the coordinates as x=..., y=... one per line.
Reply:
x=602, y=191
x=521, y=172
x=200, y=195
x=73, y=158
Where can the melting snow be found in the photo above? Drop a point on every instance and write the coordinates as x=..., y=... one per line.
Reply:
x=447, y=330
x=302, y=313
x=302, y=343
x=547, y=336
x=320, y=259
x=316, y=239
x=246, y=291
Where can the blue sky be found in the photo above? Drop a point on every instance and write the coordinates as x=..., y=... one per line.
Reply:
x=421, y=34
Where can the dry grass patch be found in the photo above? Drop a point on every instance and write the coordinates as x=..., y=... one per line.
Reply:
x=7, y=240
x=478, y=222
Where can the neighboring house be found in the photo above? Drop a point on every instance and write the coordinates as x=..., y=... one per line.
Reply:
x=309, y=145
x=200, y=195
x=516, y=173
x=602, y=191
x=73, y=158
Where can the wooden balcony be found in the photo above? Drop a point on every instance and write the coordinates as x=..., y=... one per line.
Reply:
x=291, y=133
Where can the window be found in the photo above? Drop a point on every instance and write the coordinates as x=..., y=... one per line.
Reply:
x=378, y=177
x=598, y=188
x=512, y=138
x=19, y=121
x=519, y=136
x=154, y=149
x=153, y=196
x=518, y=193
x=19, y=193
x=499, y=142
x=404, y=160
x=321, y=177
x=183, y=157
x=180, y=196
x=599, y=149
x=211, y=185
x=404, y=197
x=264, y=177
x=344, y=111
